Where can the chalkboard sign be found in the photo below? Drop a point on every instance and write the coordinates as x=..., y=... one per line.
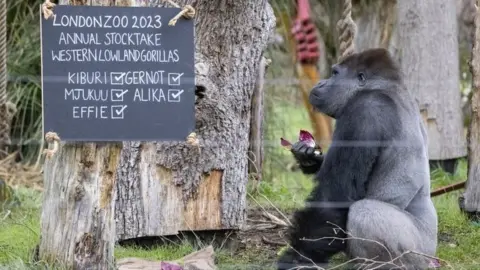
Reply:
x=117, y=74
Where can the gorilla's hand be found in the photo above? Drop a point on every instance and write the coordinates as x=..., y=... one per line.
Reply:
x=309, y=158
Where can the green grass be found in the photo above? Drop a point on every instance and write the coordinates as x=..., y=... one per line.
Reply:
x=459, y=238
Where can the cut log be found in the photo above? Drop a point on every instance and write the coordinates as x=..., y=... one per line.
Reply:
x=166, y=188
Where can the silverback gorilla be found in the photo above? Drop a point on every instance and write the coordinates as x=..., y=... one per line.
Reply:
x=372, y=194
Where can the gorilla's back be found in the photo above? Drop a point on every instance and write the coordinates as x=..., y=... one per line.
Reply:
x=402, y=169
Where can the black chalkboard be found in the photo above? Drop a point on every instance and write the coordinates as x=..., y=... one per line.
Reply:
x=117, y=74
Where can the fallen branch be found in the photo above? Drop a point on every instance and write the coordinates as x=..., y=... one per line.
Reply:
x=366, y=262
x=275, y=219
x=271, y=242
x=449, y=188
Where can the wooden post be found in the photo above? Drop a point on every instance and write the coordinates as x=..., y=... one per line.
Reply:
x=77, y=221
x=256, y=150
x=471, y=198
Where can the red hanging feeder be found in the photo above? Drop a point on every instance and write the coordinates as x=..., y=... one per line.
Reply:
x=303, y=31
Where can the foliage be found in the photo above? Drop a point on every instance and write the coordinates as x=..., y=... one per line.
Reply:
x=24, y=70
x=7, y=196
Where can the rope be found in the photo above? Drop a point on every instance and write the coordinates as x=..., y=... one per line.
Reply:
x=3, y=53
x=47, y=9
x=348, y=29
x=192, y=139
x=7, y=109
x=51, y=138
x=188, y=12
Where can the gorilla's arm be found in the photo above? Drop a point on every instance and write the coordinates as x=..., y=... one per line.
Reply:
x=368, y=125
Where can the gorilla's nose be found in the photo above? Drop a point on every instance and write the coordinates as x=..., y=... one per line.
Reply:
x=321, y=84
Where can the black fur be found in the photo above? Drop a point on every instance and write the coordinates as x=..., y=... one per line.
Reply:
x=366, y=122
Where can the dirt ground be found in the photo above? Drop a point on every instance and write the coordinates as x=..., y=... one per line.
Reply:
x=264, y=229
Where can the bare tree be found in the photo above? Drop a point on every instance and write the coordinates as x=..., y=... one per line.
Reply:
x=427, y=40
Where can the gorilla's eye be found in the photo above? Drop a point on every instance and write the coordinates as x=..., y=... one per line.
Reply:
x=334, y=72
x=361, y=77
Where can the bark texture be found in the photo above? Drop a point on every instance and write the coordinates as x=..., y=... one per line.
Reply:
x=77, y=225
x=165, y=188
x=472, y=192
x=427, y=38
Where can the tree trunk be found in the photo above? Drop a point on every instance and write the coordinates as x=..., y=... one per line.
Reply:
x=472, y=193
x=77, y=227
x=165, y=188
x=429, y=56
x=255, y=157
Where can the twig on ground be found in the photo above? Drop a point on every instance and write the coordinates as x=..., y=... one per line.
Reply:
x=6, y=215
x=264, y=226
x=367, y=262
x=287, y=220
x=275, y=219
x=263, y=208
x=271, y=242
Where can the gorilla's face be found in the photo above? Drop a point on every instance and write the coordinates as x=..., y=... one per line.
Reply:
x=330, y=96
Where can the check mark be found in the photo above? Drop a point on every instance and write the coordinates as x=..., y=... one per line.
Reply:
x=120, y=94
x=174, y=78
x=176, y=95
x=117, y=77
x=120, y=110
x=117, y=111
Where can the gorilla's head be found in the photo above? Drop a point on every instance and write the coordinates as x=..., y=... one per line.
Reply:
x=372, y=69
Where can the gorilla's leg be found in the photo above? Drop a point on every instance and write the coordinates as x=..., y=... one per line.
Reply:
x=382, y=232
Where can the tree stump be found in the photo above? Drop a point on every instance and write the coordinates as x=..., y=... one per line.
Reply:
x=166, y=188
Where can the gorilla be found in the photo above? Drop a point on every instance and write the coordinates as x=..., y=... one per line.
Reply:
x=371, y=198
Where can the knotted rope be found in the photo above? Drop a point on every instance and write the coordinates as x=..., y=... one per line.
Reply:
x=188, y=12
x=51, y=138
x=47, y=7
x=7, y=109
x=3, y=53
x=347, y=29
